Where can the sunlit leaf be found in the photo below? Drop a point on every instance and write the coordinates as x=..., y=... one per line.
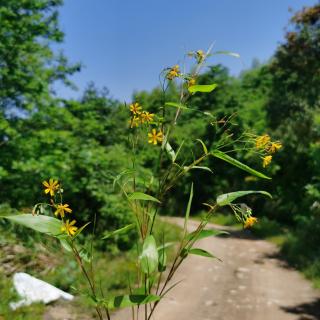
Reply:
x=118, y=231
x=170, y=151
x=188, y=209
x=197, y=167
x=228, y=53
x=142, y=196
x=227, y=198
x=40, y=223
x=202, y=88
x=176, y=105
x=149, y=257
x=202, y=252
x=221, y=155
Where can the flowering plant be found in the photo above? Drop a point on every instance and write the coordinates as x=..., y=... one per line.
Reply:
x=145, y=196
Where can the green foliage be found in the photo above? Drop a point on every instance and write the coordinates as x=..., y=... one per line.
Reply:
x=149, y=256
x=48, y=225
x=28, y=64
x=201, y=252
x=227, y=198
x=130, y=300
x=236, y=163
x=202, y=88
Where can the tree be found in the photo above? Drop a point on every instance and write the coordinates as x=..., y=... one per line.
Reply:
x=293, y=108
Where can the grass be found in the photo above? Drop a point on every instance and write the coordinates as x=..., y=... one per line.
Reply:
x=62, y=271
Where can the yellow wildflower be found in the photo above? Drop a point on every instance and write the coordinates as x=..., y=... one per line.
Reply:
x=262, y=141
x=134, y=122
x=155, y=137
x=250, y=221
x=275, y=146
x=191, y=82
x=200, y=55
x=135, y=108
x=266, y=161
x=173, y=72
x=61, y=209
x=50, y=186
x=69, y=227
x=146, y=117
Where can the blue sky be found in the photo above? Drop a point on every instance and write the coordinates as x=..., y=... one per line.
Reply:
x=124, y=44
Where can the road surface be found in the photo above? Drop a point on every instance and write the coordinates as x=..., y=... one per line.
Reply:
x=251, y=283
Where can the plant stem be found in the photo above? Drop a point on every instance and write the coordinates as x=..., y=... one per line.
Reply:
x=84, y=271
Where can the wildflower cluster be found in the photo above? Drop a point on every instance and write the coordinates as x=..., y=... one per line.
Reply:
x=173, y=72
x=53, y=188
x=190, y=79
x=243, y=214
x=140, y=117
x=267, y=147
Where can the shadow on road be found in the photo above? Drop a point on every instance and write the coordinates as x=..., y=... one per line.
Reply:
x=306, y=311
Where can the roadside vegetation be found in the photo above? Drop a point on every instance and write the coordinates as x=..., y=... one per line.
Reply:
x=83, y=142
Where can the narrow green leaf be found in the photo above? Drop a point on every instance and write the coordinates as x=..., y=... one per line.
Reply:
x=85, y=255
x=228, y=53
x=170, y=151
x=165, y=245
x=202, y=252
x=205, y=150
x=122, y=174
x=198, y=167
x=175, y=158
x=142, y=196
x=162, y=260
x=227, y=198
x=221, y=155
x=40, y=223
x=130, y=300
x=202, y=88
x=149, y=257
x=176, y=105
x=188, y=210
x=204, y=234
x=65, y=244
x=122, y=230
x=81, y=229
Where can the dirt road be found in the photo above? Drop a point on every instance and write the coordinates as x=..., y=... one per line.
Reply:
x=251, y=283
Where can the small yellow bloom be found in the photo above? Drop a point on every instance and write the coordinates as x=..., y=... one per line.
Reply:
x=191, y=82
x=69, y=227
x=250, y=221
x=200, y=55
x=266, y=161
x=135, y=108
x=146, y=117
x=50, y=186
x=275, y=146
x=61, y=209
x=134, y=122
x=262, y=141
x=155, y=137
x=173, y=72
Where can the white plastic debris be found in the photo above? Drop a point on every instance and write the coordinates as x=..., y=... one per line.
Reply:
x=31, y=290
